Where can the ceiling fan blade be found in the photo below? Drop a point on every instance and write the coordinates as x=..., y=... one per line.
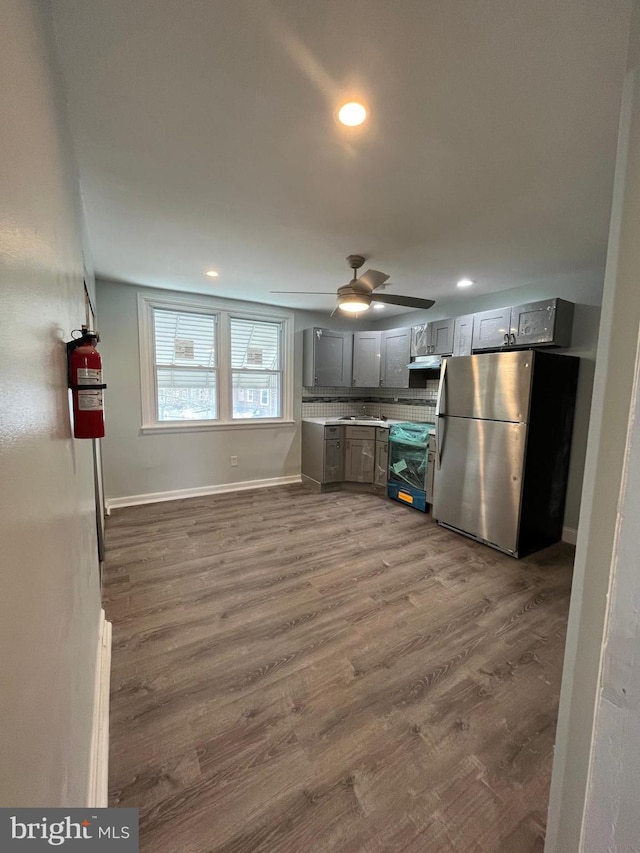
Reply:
x=305, y=292
x=373, y=278
x=406, y=301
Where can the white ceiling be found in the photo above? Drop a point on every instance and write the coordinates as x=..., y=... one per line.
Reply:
x=206, y=137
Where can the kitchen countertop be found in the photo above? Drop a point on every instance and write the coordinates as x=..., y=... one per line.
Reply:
x=337, y=421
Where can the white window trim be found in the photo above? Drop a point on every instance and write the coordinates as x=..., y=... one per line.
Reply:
x=225, y=310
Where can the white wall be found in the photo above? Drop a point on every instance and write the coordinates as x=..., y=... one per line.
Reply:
x=607, y=554
x=137, y=464
x=49, y=592
x=585, y=290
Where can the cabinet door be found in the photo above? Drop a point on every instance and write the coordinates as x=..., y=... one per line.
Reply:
x=366, y=359
x=420, y=340
x=491, y=329
x=333, y=461
x=327, y=358
x=382, y=463
x=548, y=321
x=441, y=337
x=359, y=459
x=312, y=450
x=463, y=335
x=396, y=348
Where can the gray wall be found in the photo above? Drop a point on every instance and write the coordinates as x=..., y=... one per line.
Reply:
x=49, y=601
x=137, y=464
x=585, y=290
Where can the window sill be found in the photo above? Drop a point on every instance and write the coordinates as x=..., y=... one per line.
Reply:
x=194, y=426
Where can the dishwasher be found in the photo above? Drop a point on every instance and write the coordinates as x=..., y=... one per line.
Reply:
x=410, y=474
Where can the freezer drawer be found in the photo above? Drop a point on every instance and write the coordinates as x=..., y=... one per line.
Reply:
x=478, y=483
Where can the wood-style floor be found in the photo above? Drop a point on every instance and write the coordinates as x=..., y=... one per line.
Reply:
x=300, y=672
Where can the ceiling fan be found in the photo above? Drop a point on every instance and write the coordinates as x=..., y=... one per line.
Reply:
x=358, y=294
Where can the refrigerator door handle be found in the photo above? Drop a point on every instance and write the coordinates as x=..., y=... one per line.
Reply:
x=441, y=389
x=442, y=396
x=439, y=441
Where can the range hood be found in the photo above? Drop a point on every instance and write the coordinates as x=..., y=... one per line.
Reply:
x=425, y=362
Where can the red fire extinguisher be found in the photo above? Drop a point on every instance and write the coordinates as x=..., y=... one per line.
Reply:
x=85, y=381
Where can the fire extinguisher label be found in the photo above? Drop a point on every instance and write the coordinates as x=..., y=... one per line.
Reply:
x=89, y=377
x=90, y=401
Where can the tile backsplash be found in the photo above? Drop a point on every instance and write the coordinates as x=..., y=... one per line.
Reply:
x=406, y=404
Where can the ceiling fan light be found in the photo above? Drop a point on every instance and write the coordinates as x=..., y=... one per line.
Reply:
x=352, y=114
x=353, y=303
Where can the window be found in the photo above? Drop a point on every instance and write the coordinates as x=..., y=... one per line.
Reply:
x=255, y=368
x=206, y=365
x=185, y=365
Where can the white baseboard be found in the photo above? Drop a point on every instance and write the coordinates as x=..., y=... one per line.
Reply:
x=199, y=491
x=97, y=795
x=570, y=535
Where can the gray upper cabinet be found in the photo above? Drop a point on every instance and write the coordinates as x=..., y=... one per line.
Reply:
x=420, y=340
x=491, y=328
x=549, y=321
x=441, y=336
x=396, y=350
x=434, y=338
x=327, y=358
x=463, y=335
x=366, y=359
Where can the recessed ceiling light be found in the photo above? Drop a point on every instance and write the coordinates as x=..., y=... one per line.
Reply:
x=465, y=282
x=212, y=273
x=352, y=114
x=378, y=306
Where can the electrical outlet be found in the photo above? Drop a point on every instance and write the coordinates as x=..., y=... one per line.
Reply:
x=234, y=461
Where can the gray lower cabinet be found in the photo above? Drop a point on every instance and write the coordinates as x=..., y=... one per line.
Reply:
x=327, y=358
x=359, y=454
x=336, y=453
x=382, y=462
x=463, y=335
x=366, y=359
x=358, y=460
x=333, y=466
x=396, y=351
x=322, y=452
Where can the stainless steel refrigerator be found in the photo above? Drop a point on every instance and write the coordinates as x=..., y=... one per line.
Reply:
x=503, y=439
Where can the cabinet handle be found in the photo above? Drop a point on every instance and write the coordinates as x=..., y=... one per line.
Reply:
x=316, y=380
x=513, y=339
x=506, y=340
